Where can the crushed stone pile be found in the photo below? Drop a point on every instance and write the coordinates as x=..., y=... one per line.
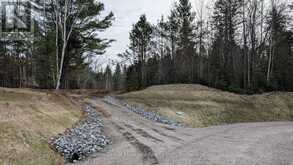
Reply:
x=140, y=111
x=86, y=138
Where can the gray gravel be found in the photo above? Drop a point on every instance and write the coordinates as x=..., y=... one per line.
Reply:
x=86, y=138
x=140, y=111
x=238, y=144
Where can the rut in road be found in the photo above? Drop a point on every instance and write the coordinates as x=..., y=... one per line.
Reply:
x=144, y=142
x=143, y=133
x=148, y=154
x=146, y=138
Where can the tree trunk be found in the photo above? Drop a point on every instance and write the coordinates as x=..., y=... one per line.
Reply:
x=61, y=66
x=269, y=70
x=64, y=34
x=57, y=47
x=245, y=54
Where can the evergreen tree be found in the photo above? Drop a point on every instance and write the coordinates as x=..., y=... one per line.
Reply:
x=82, y=19
x=132, y=78
x=225, y=20
x=172, y=29
x=82, y=43
x=108, y=78
x=280, y=64
x=140, y=39
x=185, y=55
x=117, y=77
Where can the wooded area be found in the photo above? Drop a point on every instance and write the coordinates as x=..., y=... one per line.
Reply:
x=60, y=54
x=244, y=46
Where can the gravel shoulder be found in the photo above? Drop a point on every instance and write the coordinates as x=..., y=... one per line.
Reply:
x=85, y=138
x=138, y=141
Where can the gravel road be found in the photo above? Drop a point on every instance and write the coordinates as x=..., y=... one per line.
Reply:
x=138, y=141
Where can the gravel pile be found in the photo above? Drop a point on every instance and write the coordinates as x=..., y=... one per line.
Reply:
x=138, y=110
x=84, y=139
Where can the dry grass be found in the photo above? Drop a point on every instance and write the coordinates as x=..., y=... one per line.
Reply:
x=27, y=120
x=203, y=106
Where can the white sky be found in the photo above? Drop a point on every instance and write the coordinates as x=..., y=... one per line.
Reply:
x=127, y=12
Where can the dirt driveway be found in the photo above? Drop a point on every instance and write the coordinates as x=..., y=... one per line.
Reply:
x=137, y=141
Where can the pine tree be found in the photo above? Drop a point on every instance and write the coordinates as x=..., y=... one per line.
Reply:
x=172, y=27
x=108, y=78
x=82, y=18
x=117, y=77
x=132, y=78
x=140, y=39
x=225, y=22
x=185, y=56
x=280, y=62
x=67, y=39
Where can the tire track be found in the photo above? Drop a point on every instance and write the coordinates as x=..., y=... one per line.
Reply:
x=143, y=133
x=148, y=154
x=169, y=136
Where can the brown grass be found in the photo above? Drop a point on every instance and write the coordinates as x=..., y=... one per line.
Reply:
x=27, y=120
x=203, y=106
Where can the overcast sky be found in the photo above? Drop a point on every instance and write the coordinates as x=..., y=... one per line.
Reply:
x=127, y=13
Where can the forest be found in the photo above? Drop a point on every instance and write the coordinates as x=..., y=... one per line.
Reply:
x=243, y=46
x=63, y=47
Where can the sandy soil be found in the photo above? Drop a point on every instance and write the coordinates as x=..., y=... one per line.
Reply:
x=137, y=141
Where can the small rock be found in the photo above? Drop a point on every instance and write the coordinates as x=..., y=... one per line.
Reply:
x=140, y=111
x=84, y=139
x=180, y=113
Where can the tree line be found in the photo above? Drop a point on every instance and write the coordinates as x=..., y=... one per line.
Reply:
x=243, y=46
x=61, y=53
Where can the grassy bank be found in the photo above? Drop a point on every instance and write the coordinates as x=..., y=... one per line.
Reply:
x=27, y=119
x=200, y=106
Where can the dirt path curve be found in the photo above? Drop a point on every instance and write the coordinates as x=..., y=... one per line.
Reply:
x=137, y=141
